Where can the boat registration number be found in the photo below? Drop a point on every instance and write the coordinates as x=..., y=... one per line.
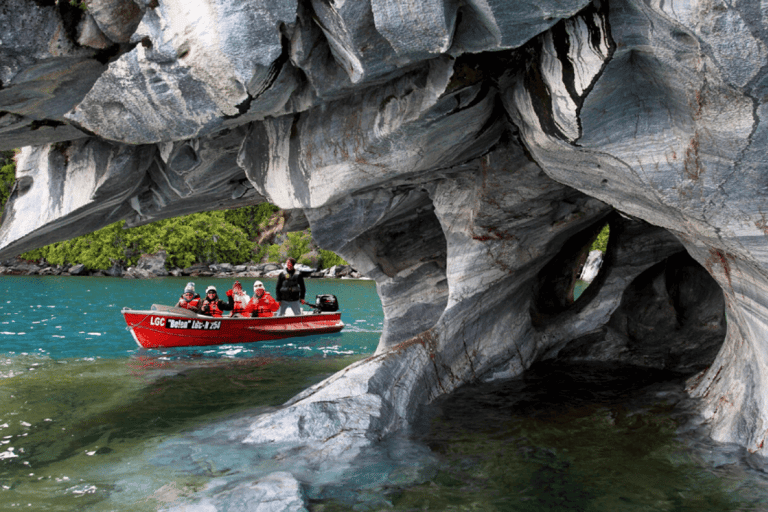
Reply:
x=196, y=325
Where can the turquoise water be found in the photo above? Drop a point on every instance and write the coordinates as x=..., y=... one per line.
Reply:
x=89, y=421
x=65, y=317
x=82, y=407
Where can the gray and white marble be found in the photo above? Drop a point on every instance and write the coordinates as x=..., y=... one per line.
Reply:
x=462, y=154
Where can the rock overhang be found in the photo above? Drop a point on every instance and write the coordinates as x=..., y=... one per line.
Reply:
x=450, y=150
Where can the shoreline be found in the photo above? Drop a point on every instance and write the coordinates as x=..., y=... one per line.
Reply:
x=150, y=270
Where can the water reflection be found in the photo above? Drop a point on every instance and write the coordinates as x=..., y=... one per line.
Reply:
x=593, y=437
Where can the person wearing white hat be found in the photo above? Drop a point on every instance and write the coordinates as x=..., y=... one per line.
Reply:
x=212, y=305
x=262, y=303
x=189, y=299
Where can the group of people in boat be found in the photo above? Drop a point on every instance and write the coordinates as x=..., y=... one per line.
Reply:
x=289, y=296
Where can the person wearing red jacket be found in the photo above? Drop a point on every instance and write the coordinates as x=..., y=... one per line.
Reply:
x=262, y=303
x=189, y=299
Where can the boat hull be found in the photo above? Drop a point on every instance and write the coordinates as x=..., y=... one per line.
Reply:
x=182, y=328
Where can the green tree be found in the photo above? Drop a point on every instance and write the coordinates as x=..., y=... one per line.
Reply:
x=329, y=259
x=7, y=175
x=299, y=243
x=251, y=219
x=601, y=242
x=204, y=237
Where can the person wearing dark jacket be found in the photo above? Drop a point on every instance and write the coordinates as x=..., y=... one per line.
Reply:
x=290, y=290
x=212, y=305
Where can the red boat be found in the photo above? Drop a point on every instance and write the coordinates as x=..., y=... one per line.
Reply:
x=167, y=326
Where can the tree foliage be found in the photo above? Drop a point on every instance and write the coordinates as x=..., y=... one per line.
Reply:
x=251, y=219
x=7, y=174
x=601, y=242
x=199, y=237
x=196, y=238
x=329, y=259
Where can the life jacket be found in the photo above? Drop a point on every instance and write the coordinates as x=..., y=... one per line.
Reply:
x=262, y=307
x=213, y=308
x=290, y=289
x=189, y=304
x=238, y=306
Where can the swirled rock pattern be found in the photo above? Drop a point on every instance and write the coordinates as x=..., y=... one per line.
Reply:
x=463, y=154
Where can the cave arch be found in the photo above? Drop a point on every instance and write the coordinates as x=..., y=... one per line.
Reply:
x=553, y=293
x=671, y=317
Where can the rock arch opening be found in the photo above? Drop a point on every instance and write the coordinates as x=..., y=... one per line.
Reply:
x=592, y=261
x=671, y=317
x=559, y=287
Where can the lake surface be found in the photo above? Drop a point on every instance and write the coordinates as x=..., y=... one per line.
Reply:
x=90, y=421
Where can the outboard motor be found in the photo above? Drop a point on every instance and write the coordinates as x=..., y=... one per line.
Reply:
x=326, y=302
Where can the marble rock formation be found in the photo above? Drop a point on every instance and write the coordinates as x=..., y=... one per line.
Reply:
x=463, y=154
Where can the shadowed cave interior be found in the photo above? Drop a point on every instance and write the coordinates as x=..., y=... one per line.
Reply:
x=671, y=316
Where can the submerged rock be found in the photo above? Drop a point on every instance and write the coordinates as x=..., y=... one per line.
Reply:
x=276, y=492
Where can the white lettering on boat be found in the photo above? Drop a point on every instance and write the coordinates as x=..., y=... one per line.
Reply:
x=174, y=323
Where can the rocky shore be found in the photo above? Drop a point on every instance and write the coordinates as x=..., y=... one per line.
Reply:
x=153, y=265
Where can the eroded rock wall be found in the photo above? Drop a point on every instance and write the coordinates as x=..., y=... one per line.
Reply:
x=460, y=153
x=681, y=153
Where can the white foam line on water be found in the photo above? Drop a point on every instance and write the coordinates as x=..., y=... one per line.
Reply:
x=8, y=454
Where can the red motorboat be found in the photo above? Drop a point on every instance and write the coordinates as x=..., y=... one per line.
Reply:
x=167, y=326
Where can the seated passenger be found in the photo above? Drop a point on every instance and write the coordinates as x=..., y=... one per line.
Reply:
x=212, y=305
x=238, y=299
x=189, y=299
x=262, y=303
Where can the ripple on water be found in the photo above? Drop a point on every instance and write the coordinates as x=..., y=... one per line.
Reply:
x=85, y=409
x=81, y=433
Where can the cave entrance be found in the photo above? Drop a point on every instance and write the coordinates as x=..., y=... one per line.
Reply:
x=671, y=317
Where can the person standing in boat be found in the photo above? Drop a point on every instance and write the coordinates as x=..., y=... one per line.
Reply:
x=290, y=290
x=212, y=305
x=189, y=299
x=262, y=304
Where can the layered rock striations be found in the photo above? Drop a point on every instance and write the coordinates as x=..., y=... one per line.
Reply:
x=463, y=154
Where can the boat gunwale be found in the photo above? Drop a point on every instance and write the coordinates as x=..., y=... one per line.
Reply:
x=208, y=317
